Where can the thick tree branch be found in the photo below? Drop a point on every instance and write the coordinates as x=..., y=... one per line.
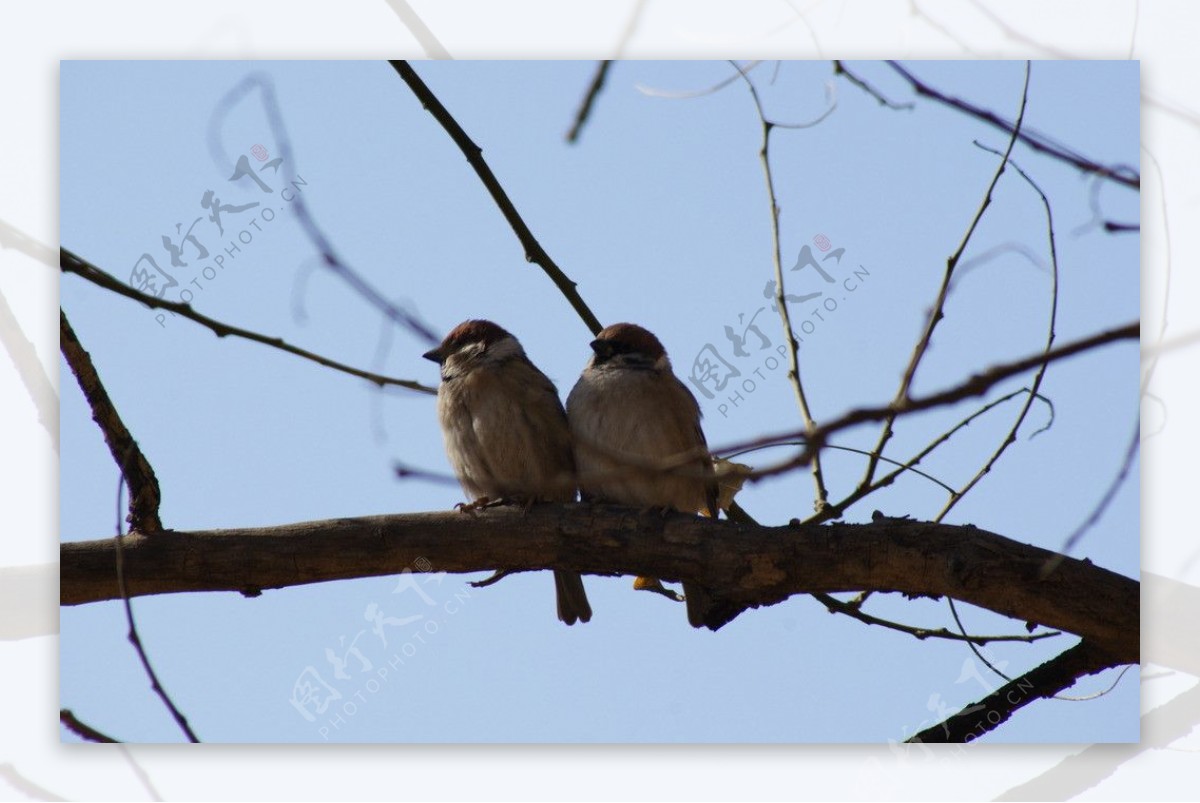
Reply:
x=1046, y=680
x=745, y=566
x=144, y=495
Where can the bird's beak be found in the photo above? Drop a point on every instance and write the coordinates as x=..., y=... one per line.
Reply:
x=435, y=355
x=602, y=348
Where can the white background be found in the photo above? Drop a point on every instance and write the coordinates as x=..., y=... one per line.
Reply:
x=34, y=38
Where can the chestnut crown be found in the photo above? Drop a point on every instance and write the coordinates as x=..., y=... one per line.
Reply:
x=628, y=344
x=475, y=332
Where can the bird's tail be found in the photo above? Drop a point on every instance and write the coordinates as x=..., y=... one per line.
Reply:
x=572, y=599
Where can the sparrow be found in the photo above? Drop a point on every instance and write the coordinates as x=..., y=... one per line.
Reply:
x=506, y=432
x=628, y=402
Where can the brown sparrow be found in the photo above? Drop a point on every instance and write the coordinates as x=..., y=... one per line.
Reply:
x=506, y=432
x=628, y=402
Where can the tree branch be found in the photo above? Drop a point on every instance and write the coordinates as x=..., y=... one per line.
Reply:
x=1046, y=680
x=144, y=494
x=976, y=385
x=938, y=310
x=82, y=729
x=71, y=263
x=1039, y=142
x=589, y=98
x=821, y=493
x=854, y=611
x=474, y=154
x=745, y=566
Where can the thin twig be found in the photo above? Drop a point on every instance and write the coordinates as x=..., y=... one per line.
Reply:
x=1083, y=698
x=854, y=611
x=1117, y=481
x=689, y=94
x=976, y=385
x=836, y=510
x=474, y=154
x=822, y=494
x=133, y=636
x=82, y=729
x=936, y=314
x=1011, y=436
x=136, y=471
x=839, y=68
x=494, y=578
x=1122, y=174
x=81, y=267
x=404, y=472
x=962, y=629
x=902, y=467
x=329, y=257
x=585, y=109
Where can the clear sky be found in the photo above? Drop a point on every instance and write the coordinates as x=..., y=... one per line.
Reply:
x=659, y=213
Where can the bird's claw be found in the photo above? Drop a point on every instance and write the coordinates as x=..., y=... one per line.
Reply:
x=655, y=586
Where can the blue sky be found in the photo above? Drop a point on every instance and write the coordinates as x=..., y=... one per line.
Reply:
x=659, y=214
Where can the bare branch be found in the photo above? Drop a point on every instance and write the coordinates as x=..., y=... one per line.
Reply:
x=1044, y=681
x=822, y=493
x=134, y=638
x=81, y=267
x=1123, y=175
x=585, y=109
x=1111, y=491
x=976, y=385
x=855, y=611
x=937, y=312
x=144, y=494
x=1036, y=385
x=329, y=256
x=835, y=511
x=747, y=566
x=474, y=154
x=839, y=68
x=83, y=730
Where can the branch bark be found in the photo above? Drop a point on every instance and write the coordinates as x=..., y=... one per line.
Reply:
x=144, y=494
x=534, y=252
x=1043, y=681
x=745, y=566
